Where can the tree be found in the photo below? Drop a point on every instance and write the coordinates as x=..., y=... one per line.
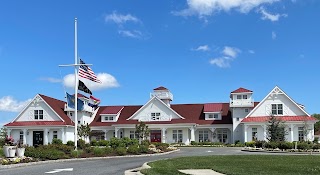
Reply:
x=276, y=129
x=316, y=125
x=3, y=134
x=142, y=130
x=84, y=131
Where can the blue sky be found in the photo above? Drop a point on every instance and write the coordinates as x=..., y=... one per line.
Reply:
x=199, y=49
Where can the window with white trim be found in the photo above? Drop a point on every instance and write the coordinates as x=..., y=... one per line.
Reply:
x=155, y=116
x=203, y=136
x=246, y=110
x=177, y=136
x=210, y=116
x=55, y=134
x=215, y=116
x=109, y=118
x=245, y=97
x=254, y=134
x=300, y=134
x=239, y=97
x=134, y=135
x=277, y=109
x=38, y=114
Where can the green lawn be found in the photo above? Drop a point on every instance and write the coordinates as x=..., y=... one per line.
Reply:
x=240, y=164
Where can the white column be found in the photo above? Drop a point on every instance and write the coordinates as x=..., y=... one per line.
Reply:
x=45, y=135
x=116, y=130
x=63, y=135
x=163, y=140
x=105, y=134
x=291, y=132
x=212, y=134
x=245, y=133
x=192, y=134
x=231, y=135
x=8, y=132
x=265, y=134
x=25, y=136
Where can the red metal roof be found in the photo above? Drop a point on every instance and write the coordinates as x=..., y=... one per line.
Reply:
x=212, y=107
x=112, y=110
x=283, y=118
x=160, y=88
x=193, y=113
x=241, y=90
x=37, y=123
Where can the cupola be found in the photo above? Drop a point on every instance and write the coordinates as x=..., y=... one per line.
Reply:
x=163, y=94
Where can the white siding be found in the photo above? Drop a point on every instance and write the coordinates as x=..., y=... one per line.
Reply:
x=289, y=108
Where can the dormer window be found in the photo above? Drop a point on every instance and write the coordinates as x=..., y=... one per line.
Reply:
x=210, y=116
x=245, y=97
x=108, y=118
x=213, y=116
x=277, y=109
x=239, y=97
x=155, y=116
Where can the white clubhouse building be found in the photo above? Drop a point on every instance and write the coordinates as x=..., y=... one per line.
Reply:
x=45, y=118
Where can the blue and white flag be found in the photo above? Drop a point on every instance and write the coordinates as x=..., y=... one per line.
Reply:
x=70, y=100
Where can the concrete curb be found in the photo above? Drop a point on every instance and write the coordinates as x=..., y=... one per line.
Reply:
x=281, y=152
x=136, y=171
x=82, y=159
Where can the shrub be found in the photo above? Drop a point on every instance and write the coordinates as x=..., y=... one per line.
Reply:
x=70, y=143
x=81, y=144
x=108, y=150
x=114, y=142
x=194, y=143
x=250, y=144
x=143, y=149
x=237, y=142
x=145, y=142
x=56, y=141
x=104, y=143
x=285, y=145
x=133, y=149
x=316, y=146
x=98, y=151
x=94, y=143
x=76, y=154
x=271, y=145
x=260, y=143
x=316, y=140
x=121, y=151
x=303, y=146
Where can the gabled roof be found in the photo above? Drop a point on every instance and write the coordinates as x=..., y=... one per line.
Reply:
x=149, y=102
x=192, y=113
x=57, y=107
x=283, y=118
x=276, y=88
x=212, y=107
x=112, y=110
x=160, y=88
x=241, y=90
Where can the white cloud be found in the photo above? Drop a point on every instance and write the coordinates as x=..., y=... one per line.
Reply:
x=9, y=104
x=272, y=17
x=251, y=51
x=273, y=35
x=204, y=8
x=108, y=81
x=231, y=51
x=202, y=48
x=51, y=80
x=131, y=34
x=121, y=19
x=222, y=62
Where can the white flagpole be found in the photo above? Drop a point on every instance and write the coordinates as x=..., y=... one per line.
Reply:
x=75, y=86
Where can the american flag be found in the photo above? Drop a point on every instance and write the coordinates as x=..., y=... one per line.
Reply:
x=86, y=72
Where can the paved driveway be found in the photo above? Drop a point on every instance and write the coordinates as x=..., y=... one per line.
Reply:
x=113, y=166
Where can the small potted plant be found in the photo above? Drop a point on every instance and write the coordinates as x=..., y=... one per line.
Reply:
x=9, y=149
x=20, y=148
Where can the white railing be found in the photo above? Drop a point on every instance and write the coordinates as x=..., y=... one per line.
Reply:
x=242, y=103
x=162, y=95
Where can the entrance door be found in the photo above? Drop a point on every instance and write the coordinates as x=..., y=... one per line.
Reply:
x=37, y=138
x=223, y=136
x=155, y=135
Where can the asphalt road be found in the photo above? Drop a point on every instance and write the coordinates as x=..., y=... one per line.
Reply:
x=113, y=166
